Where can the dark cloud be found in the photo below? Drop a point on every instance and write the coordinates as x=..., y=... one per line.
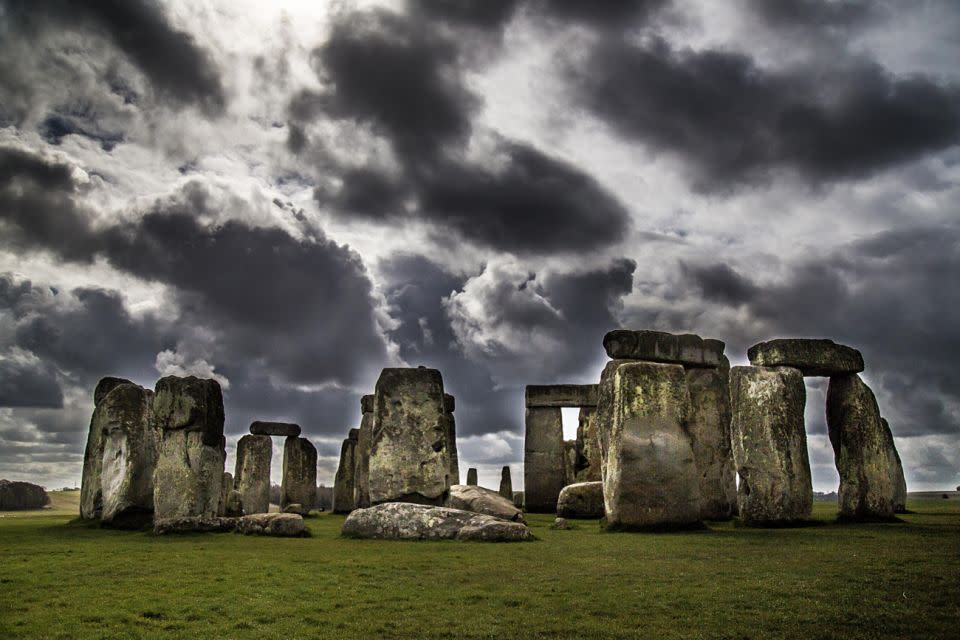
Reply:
x=720, y=283
x=28, y=384
x=815, y=14
x=621, y=14
x=480, y=14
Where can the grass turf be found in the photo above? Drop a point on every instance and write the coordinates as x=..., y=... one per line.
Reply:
x=62, y=579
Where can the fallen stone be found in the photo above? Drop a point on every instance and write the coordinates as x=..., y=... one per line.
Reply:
x=281, y=525
x=561, y=395
x=581, y=500
x=480, y=500
x=252, y=471
x=472, y=477
x=194, y=525
x=406, y=521
x=294, y=508
x=561, y=524
x=285, y=429
x=770, y=446
x=810, y=357
x=709, y=430
x=16, y=496
x=506, y=484
x=658, y=346
x=299, y=484
x=544, y=462
x=344, y=498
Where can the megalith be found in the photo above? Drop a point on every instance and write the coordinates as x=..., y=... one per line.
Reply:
x=651, y=480
x=91, y=494
x=472, y=477
x=449, y=404
x=588, y=448
x=770, y=445
x=709, y=430
x=685, y=349
x=299, y=484
x=226, y=486
x=900, y=494
x=252, y=472
x=812, y=357
x=581, y=500
x=189, y=472
x=865, y=456
x=409, y=451
x=506, y=483
x=283, y=429
x=344, y=499
x=544, y=464
x=361, y=484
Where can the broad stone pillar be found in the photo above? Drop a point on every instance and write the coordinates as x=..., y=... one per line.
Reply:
x=299, y=485
x=361, y=484
x=252, y=473
x=770, y=445
x=651, y=480
x=189, y=414
x=603, y=419
x=865, y=456
x=588, y=448
x=91, y=494
x=471, y=477
x=506, y=483
x=709, y=429
x=543, y=459
x=344, y=499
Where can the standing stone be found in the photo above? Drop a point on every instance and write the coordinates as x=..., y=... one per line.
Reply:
x=472, y=477
x=506, y=484
x=709, y=429
x=588, y=448
x=544, y=465
x=651, y=480
x=129, y=456
x=226, y=486
x=865, y=457
x=361, y=484
x=344, y=499
x=91, y=493
x=770, y=445
x=252, y=472
x=603, y=419
x=189, y=415
x=449, y=404
x=569, y=462
x=900, y=493
x=409, y=453
x=299, y=484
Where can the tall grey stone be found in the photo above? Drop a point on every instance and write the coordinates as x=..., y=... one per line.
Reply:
x=900, y=494
x=603, y=419
x=866, y=458
x=472, y=477
x=299, y=484
x=449, y=404
x=651, y=480
x=544, y=465
x=91, y=493
x=588, y=447
x=344, y=495
x=770, y=445
x=709, y=429
x=189, y=472
x=409, y=452
x=361, y=484
x=506, y=483
x=252, y=472
x=226, y=486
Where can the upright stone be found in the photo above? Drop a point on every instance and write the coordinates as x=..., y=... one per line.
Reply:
x=603, y=419
x=409, y=453
x=299, y=484
x=588, y=448
x=361, y=484
x=226, y=486
x=651, y=480
x=865, y=456
x=543, y=459
x=91, y=490
x=252, y=473
x=344, y=500
x=189, y=414
x=449, y=404
x=709, y=429
x=472, y=477
x=569, y=462
x=506, y=483
x=770, y=445
x=900, y=494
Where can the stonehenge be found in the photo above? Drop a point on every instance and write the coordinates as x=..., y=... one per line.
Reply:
x=252, y=472
x=810, y=357
x=479, y=500
x=581, y=500
x=284, y=429
x=361, y=485
x=344, y=500
x=506, y=484
x=406, y=521
x=472, y=477
x=708, y=426
x=299, y=483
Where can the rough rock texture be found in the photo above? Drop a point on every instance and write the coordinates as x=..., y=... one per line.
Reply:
x=226, y=486
x=603, y=419
x=344, y=498
x=518, y=497
x=284, y=429
x=581, y=500
x=409, y=453
x=252, y=473
x=282, y=525
x=361, y=484
x=770, y=445
x=193, y=524
x=561, y=395
x=295, y=508
x=450, y=426
x=22, y=495
x=651, y=480
x=406, y=521
x=479, y=500
x=900, y=494
x=811, y=357
x=569, y=462
x=506, y=483
x=544, y=464
x=472, y=477
x=299, y=484
x=234, y=505
x=130, y=444
x=189, y=415
x=657, y=346
x=91, y=495
x=449, y=403
x=105, y=386
x=561, y=524
x=709, y=430
x=866, y=458
x=588, y=447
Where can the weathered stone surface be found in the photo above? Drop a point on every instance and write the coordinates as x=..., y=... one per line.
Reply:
x=506, y=483
x=518, y=498
x=866, y=457
x=561, y=395
x=709, y=430
x=588, y=447
x=603, y=419
x=282, y=525
x=226, y=486
x=409, y=453
x=193, y=524
x=189, y=414
x=406, y=521
x=449, y=403
x=283, y=429
x=361, y=486
x=480, y=500
x=810, y=357
x=344, y=498
x=900, y=493
x=299, y=484
x=22, y=495
x=234, y=504
x=569, y=462
x=581, y=500
x=658, y=346
x=561, y=524
x=472, y=477
x=91, y=490
x=105, y=386
x=295, y=508
x=130, y=447
x=544, y=465
x=651, y=480
x=252, y=472
x=770, y=445
x=450, y=426
x=366, y=403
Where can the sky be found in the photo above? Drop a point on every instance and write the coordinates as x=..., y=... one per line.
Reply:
x=289, y=196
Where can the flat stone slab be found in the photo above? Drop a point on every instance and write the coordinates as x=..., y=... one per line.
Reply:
x=407, y=521
x=811, y=356
x=667, y=348
x=561, y=395
x=260, y=428
x=486, y=501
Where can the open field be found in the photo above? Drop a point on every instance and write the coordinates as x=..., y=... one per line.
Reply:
x=67, y=580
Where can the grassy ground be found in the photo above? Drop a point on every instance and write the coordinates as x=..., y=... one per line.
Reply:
x=66, y=580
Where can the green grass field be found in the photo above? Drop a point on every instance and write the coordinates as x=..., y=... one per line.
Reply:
x=60, y=579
